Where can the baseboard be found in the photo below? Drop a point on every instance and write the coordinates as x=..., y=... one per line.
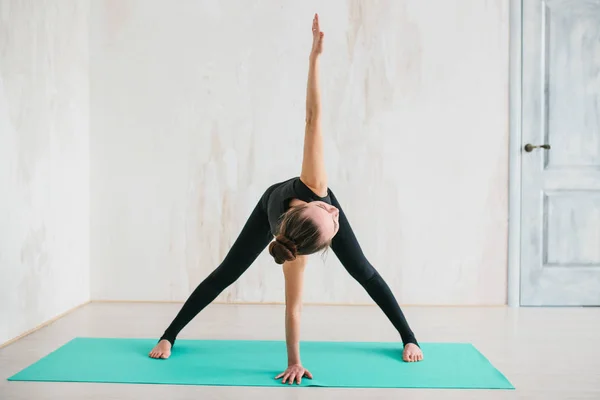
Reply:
x=42, y=325
x=239, y=303
x=275, y=303
x=29, y=332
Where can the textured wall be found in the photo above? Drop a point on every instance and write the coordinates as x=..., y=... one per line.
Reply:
x=198, y=106
x=44, y=161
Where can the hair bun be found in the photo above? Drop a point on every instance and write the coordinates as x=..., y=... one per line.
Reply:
x=283, y=249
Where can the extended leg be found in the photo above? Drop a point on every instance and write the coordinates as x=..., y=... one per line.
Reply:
x=254, y=237
x=346, y=248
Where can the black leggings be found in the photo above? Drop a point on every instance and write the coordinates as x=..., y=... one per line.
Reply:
x=253, y=239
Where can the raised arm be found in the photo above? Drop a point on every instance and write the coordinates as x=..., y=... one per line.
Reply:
x=313, y=164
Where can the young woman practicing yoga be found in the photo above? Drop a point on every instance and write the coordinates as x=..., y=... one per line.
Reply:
x=305, y=217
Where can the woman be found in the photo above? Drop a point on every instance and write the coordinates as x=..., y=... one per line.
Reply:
x=305, y=217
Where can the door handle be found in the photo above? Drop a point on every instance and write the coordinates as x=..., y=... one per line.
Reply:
x=529, y=147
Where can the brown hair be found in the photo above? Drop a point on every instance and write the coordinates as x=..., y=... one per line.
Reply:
x=297, y=235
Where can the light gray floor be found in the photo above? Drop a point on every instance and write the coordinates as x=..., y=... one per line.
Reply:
x=549, y=353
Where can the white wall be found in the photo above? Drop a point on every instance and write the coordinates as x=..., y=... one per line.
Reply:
x=197, y=107
x=44, y=161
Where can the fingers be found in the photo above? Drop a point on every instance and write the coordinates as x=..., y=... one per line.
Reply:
x=285, y=375
x=290, y=378
x=294, y=376
x=315, y=24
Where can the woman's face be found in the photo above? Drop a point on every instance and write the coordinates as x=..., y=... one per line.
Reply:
x=325, y=216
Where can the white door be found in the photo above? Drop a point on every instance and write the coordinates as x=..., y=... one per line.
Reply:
x=560, y=220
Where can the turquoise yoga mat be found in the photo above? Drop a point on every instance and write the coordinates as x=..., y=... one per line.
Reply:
x=256, y=363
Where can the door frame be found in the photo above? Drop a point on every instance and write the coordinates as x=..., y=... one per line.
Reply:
x=515, y=154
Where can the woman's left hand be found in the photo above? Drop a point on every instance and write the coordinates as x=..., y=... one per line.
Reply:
x=293, y=373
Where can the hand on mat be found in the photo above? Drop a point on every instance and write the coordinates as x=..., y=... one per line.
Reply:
x=412, y=353
x=317, y=45
x=294, y=373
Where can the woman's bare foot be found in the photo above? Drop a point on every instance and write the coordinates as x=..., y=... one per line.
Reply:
x=161, y=350
x=412, y=353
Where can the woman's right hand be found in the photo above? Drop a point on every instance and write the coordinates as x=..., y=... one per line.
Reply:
x=293, y=373
x=317, y=45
